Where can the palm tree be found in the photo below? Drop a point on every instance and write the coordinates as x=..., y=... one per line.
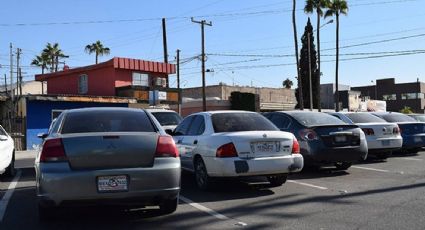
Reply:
x=335, y=8
x=300, y=88
x=42, y=61
x=310, y=7
x=287, y=83
x=97, y=48
x=54, y=53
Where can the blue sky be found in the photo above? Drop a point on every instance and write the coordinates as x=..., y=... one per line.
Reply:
x=246, y=28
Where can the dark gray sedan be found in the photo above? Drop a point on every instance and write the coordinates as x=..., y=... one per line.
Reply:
x=324, y=139
x=110, y=156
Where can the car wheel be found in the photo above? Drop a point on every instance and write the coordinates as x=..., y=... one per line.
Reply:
x=201, y=175
x=10, y=170
x=342, y=165
x=277, y=180
x=169, y=206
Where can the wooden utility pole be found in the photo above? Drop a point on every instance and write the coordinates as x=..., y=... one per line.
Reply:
x=203, y=23
x=11, y=72
x=5, y=83
x=164, y=40
x=18, y=77
x=179, y=109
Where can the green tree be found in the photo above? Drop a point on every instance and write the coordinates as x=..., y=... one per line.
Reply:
x=294, y=25
x=406, y=110
x=42, y=61
x=336, y=8
x=318, y=6
x=98, y=49
x=287, y=83
x=305, y=69
x=53, y=52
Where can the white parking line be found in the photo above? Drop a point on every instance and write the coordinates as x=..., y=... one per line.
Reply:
x=204, y=209
x=308, y=185
x=410, y=159
x=371, y=169
x=5, y=200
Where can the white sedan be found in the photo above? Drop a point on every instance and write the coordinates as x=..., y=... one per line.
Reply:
x=7, y=154
x=382, y=137
x=236, y=144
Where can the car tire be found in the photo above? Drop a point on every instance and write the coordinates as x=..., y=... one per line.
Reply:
x=10, y=170
x=201, y=175
x=342, y=165
x=169, y=206
x=277, y=180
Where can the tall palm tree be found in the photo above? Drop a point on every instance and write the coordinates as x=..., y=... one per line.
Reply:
x=335, y=8
x=310, y=7
x=98, y=49
x=300, y=88
x=42, y=61
x=54, y=53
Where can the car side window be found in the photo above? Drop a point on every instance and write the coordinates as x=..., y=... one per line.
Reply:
x=281, y=121
x=197, y=127
x=183, y=128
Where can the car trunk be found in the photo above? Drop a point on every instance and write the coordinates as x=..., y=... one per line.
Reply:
x=380, y=129
x=410, y=128
x=338, y=135
x=111, y=150
x=261, y=143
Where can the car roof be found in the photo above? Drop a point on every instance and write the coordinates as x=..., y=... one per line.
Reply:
x=101, y=109
x=160, y=110
x=223, y=111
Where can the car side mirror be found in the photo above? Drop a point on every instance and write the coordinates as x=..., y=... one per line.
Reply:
x=42, y=135
x=169, y=132
x=3, y=138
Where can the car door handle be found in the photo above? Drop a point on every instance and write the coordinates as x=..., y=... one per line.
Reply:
x=195, y=142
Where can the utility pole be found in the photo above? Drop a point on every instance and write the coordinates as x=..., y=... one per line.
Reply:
x=203, y=23
x=11, y=72
x=5, y=83
x=179, y=109
x=164, y=40
x=18, y=77
x=20, y=82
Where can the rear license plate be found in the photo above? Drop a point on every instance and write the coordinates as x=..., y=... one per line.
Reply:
x=340, y=139
x=386, y=142
x=418, y=139
x=117, y=183
x=264, y=147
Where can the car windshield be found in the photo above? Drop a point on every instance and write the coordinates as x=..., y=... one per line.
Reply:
x=419, y=117
x=364, y=118
x=395, y=117
x=316, y=119
x=233, y=122
x=107, y=121
x=167, y=118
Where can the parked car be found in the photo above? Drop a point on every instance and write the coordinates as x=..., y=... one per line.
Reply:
x=324, y=139
x=112, y=156
x=418, y=117
x=412, y=131
x=7, y=153
x=221, y=144
x=382, y=137
x=167, y=118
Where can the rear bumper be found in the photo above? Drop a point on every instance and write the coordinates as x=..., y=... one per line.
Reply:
x=237, y=167
x=384, y=143
x=319, y=154
x=57, y=184
x=414, y=141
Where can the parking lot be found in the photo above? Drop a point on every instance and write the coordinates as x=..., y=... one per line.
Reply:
x=371, y=195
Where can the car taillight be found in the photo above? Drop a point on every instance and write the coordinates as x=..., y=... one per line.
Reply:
x=226, y=150
x=166, y=147
x=308, y=135
x=396, y=130
x=295, y=146
x=53, y=151
x=368, y=131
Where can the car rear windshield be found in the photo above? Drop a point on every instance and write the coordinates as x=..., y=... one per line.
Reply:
x=167, y=118
x=393, y=117
x=316, y=119
x=106, y=121
x=419, y=117
x=234, y=122
x=364, y=118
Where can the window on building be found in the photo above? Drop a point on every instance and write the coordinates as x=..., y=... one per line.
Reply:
x=406, y=96
x=83, y=84
x=389, y=97
x=140, y=79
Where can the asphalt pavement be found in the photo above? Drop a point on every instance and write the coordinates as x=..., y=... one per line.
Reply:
x=370, y=195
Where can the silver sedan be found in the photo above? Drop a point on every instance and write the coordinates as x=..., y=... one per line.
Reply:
x=111, y=156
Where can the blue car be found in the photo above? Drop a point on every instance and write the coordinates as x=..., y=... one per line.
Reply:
x=412, y=131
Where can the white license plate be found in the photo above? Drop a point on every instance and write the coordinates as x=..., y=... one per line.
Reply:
x=112, y=183
x=340, y=138
x=264, y=147
x=418, y=139
x=386, y=142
